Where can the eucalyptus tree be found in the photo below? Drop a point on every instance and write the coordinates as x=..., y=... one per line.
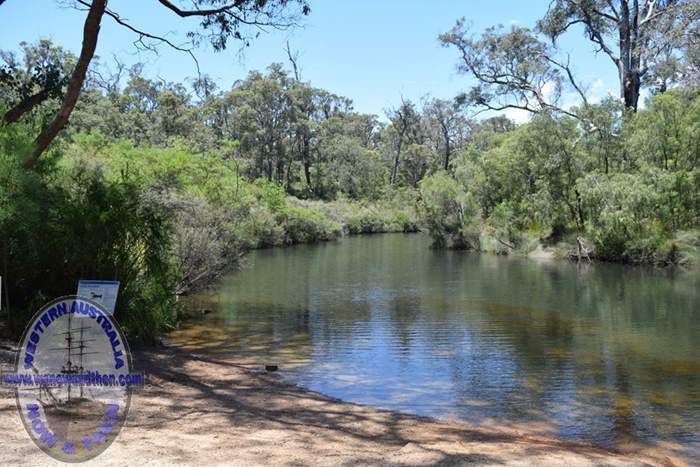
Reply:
x=524, y=68
x=308, y=107
x=404, y=129
x=261, y=120
x=514, y=69
x=447, y=125
x=638, y=36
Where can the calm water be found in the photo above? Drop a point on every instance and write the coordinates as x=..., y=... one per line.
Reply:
x=603, y=353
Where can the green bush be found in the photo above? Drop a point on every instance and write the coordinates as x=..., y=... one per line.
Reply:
x=624, y=214
x=59, y=225
x=261, y=229
x=365, y=221
x=447, y=211
x=305, y=225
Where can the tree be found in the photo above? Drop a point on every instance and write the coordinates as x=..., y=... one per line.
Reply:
x=637, y=35
x=517, y=69
x=260, y=120
x=447, y=125
x=219, y=22
x=90, y=33
x=404, y=128
x=308, y=107
x=514, y=69
x=448, y=212
x=415, y=163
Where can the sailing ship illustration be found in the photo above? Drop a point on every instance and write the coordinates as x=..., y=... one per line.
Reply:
x=66, y=405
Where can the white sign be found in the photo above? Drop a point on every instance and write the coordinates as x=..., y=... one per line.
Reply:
x=102, y=292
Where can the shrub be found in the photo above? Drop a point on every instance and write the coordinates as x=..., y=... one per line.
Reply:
x=261, y=229
x=204, y=239
x=305, y=225
x=447, y=210
x=364, y=221
x=624, y=212
x=61, y=225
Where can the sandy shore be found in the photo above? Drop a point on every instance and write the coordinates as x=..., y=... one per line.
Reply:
x=202, y=411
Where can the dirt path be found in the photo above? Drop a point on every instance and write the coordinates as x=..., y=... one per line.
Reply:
x=202, y=411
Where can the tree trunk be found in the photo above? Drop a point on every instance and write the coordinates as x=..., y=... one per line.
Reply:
x=269, y=168
x=5, y=287
x=448, y=149
x=306, y=158
x=395, y=164
x=90, y=32
x=26, y=105
x=630, y=91
x=629, y=61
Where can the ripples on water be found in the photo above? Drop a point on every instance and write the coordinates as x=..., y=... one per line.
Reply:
x=601, y=353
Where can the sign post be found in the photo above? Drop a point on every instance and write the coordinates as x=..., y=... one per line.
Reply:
x=102, y=292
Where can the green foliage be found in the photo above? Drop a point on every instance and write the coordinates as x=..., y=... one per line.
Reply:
x=61, y=225
x=165, y=190
x=41, y=74
x=448, y=211
x=626, y=182
x=624, y=215
x=261, y=229
x=395, y=212
x=271, y=195
x=355, y=170
x=304, y=225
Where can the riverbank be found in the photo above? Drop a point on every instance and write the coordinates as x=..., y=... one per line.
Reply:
x=210, y=411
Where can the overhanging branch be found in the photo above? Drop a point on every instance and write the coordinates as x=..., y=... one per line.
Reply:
x=143, y=34
x=91, y=31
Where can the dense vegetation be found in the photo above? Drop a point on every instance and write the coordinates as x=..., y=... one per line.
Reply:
x=165, y=190
x=165, y=186
x=628, y=183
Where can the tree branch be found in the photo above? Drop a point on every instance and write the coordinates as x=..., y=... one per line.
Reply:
x=614, y=10
x=186, y=13
x=569, y=73
x=26, y=105
x=223, y=10
x=525, y=107
x=603, y=14
x=143, y=34
x=596, y=37
x=293, y=58
x=90, y=32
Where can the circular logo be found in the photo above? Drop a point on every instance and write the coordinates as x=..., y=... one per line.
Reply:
x=73, y=379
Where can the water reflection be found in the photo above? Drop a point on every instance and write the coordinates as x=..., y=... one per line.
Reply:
x=602, y=353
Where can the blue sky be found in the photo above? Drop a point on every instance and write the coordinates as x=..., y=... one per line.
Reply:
x=374, y=52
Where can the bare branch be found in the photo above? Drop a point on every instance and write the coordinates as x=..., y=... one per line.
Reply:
x=614, y=10
x=224, y=10
x=293, y=59
x=143, y=34
x=566, y=67
x=651, y=15
x=615, y=18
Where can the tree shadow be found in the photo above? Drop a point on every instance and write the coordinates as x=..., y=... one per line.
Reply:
x=255, y=410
